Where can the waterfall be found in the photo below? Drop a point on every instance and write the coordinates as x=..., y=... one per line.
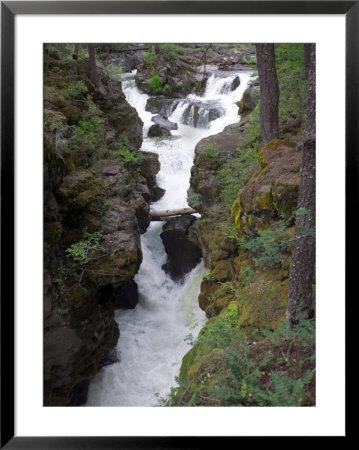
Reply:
x=152, y=336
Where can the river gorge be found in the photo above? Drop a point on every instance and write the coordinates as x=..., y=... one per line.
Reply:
x=152, y=342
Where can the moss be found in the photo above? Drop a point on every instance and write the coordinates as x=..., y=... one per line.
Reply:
x=188, y=361
x=51, y=156
x=262, y=306
x=222, y=271
x=262, y=159
x=264, y=199
x=236, y=213
x=251, y=221
x=263, y=172
x=273, y=145
x=285, y=198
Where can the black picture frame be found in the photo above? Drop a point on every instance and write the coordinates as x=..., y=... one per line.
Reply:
x=9, y=9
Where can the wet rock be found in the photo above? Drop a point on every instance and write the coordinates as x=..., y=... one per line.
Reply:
x=199, y=114
x=111, y=357
x=156, y=192
x=150, y=164
x=182, y=254
x=79, y=394
x=235, y=83
x=249, y=100
x=126, y=297
x=161, y=105
x=123, y=296
x=164, y=122
x=157, y=131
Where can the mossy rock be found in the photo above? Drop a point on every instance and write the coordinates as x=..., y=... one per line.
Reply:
x=116, y=259
x=150, y=164
x=262, y=159
x=188, y=361
x=262, y=306
x=222, y=271
x=285, y=198
x=263, y=199
x=54, y=100
x=52, y=232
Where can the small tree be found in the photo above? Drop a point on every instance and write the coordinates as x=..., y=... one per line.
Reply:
x=269, y=92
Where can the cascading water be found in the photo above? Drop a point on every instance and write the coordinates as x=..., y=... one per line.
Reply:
x=152, y=342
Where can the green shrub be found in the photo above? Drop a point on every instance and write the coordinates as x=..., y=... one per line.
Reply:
x=167, y=90
x=269, y=246
x=173, y=50
x=86, y=131
x=156, y=83
x=77, y=90
x=82, y=251
x=193, y=198
x=210, y=158
x=115, y=71
x=127, y=153
x=150, y=57
x=291, y=79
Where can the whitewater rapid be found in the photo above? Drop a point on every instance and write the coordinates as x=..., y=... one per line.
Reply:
x=152, y=336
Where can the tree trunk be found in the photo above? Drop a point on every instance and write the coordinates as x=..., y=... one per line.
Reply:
x=269, y=92
x=157, y=215
x=75, y=54
x=307, y=53
x=92, y=63
x=300, y=298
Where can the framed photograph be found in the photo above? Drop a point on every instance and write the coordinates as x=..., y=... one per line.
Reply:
x=175, y=183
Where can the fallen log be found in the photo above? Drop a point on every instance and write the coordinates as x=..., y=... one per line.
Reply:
x=158, y=215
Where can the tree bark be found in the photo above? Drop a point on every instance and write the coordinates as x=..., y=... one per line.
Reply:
x=269, y=90
x=92, y=63
x=300, y=298
x=307, y=53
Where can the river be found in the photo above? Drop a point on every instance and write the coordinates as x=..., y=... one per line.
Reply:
x=152, y=336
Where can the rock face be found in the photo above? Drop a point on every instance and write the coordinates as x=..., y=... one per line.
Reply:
x=182, y=254
x=96, y=204
x=272, y=190
x=269, y=193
